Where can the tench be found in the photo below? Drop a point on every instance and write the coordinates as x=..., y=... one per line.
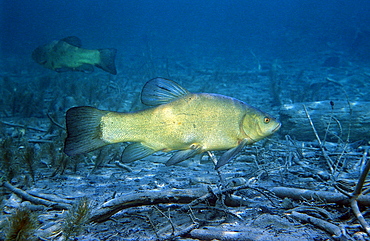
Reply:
x=189, y=122
x=67, y=55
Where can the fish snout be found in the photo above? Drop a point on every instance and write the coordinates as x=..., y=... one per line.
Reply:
x=276, y=128
x=38, y=55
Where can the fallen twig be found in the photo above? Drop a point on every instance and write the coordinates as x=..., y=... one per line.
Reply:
x=216, y=233
x=22, y=126
x=327, y=158
x=54, y=122
x=327, y=226
x=190, y=197
x=40, y=141
x=123, y=166
x=356, y=194
x=36, y=200
x=180, y=233
x=168, y=218
x=325, y=196
x=152, y=197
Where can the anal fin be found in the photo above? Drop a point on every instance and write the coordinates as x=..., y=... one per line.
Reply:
x=86, y=68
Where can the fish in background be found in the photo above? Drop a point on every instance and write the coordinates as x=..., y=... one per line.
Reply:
x=192, y=123
x=67, y=55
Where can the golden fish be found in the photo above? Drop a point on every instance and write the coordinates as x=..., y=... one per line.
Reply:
x=189, y=122
x=67, y=55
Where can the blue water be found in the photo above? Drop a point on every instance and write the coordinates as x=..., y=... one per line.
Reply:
x=278, y=28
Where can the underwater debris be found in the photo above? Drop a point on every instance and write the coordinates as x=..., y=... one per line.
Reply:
x=346, y=117
x=22, y=225
x=46, y=201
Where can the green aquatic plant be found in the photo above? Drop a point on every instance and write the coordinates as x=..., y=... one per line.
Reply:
x=60, y=164
x=21, y=225
x=77, y=218
x=8, y=167
x=17, y=158
x=29, y=157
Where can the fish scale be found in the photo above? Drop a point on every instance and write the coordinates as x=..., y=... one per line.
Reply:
x=191, y=123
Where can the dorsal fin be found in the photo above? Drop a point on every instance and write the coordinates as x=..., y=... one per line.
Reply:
x=159, y=91
x=73, y=40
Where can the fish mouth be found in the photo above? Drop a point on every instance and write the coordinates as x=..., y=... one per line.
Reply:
x=276, y=128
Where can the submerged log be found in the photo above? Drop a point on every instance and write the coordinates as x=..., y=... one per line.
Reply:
x=332, y=120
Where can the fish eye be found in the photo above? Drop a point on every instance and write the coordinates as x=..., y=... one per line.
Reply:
x=266, y=120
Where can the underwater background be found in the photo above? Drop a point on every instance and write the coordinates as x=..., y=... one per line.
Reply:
x=273, y=55
x=191, y=41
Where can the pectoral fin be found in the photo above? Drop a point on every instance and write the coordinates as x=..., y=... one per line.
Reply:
x=135, y=152
x=183, y=155
x=230, y=154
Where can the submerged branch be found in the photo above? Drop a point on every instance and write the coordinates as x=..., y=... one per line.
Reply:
x=36, y=200
x=322, y=196
x=327, y=158
x=22, y=126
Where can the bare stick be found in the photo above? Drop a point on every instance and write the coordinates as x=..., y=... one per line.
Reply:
x=189, y=197
x=359, y=216
x=325, y=225
x=214, y=160
x=34, y=199
x=327, y=158
x=349, y=104
x=217, y=233
x=363, y=176
x=357, y=193
x=145, y=198
x=182, y=232
x=324, y=196
x=54, y=122
x=168, y=218
x=22, y=126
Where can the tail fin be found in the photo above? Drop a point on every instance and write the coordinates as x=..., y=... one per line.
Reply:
x=107, y=60
x=83, y=130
